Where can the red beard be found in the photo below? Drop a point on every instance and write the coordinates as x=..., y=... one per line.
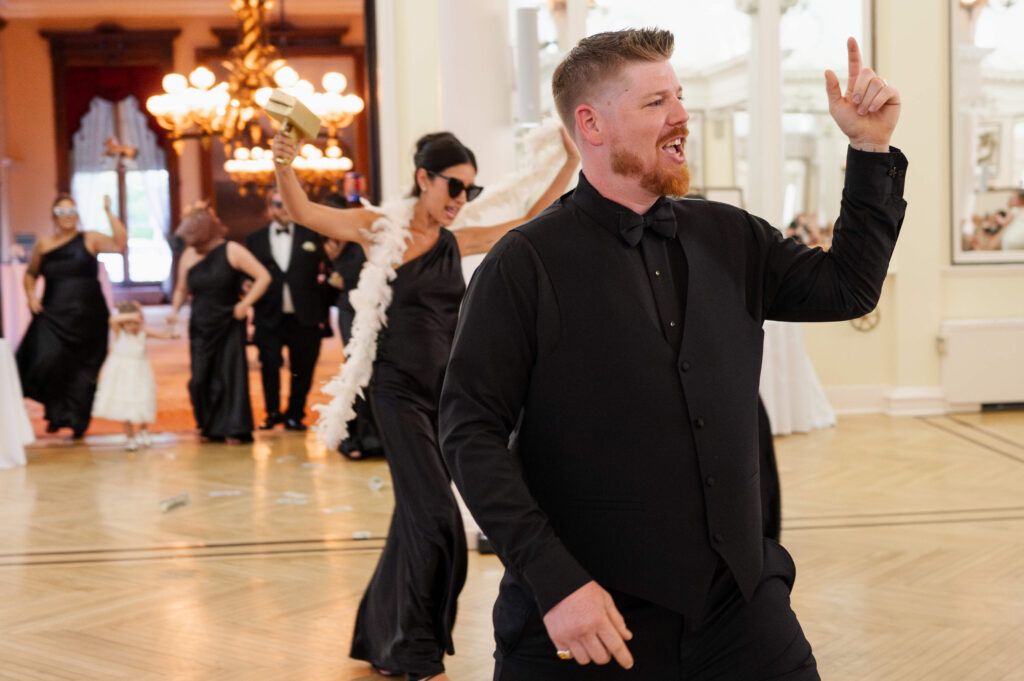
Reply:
x=658, y=180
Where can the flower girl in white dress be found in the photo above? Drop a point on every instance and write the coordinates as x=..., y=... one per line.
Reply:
x=126, y=390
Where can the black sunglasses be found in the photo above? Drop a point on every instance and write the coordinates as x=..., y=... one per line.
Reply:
x=456, y=186
x=277, y=204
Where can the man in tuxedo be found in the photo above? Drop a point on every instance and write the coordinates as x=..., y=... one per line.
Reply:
x=600, y=407
x=292, y=313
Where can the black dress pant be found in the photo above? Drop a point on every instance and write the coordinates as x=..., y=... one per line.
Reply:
x=736, y=641
x=303, y=344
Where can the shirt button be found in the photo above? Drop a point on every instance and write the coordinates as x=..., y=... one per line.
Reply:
x=672, y=324
x=718, y=538
x=711, y=481
x=686, y=366
x=698, y=422
x=657, y=273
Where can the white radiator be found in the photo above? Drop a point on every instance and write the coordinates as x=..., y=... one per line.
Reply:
x=982, y=361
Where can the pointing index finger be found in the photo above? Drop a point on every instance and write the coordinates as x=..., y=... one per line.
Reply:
x=855, y=66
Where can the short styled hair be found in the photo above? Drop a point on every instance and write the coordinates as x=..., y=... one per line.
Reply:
x=599, y=57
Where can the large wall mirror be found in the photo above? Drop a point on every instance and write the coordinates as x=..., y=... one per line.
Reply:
x=987, y=88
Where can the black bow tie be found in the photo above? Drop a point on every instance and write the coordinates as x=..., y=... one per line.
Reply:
x=660, y=218
x=282, y=230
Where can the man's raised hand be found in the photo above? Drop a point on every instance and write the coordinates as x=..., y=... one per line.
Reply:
x=867, y=112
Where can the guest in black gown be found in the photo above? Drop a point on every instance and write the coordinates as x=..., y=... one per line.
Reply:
x=65, y=345
x=406, y=616
x=212, y=269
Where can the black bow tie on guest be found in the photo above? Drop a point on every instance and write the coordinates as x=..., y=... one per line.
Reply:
x=660, y=218
x=282, y=230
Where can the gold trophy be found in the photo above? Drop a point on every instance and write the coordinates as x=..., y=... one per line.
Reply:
x=296, y=120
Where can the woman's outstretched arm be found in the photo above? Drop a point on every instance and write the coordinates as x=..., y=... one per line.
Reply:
x=343, y=224
x=473, y=240
x=97, y=242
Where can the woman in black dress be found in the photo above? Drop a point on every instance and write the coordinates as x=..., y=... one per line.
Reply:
x=406, y=616
x=212, y=269
x=65, y=345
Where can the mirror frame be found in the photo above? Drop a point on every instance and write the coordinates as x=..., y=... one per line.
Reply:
x=959, y=256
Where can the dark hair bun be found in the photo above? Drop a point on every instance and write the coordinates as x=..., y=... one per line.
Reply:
x=439, y=150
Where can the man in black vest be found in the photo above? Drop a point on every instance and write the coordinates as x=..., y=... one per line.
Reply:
x=293, y=311
x=599, y=413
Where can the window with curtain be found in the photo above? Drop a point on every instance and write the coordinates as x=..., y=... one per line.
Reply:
x=143, y=180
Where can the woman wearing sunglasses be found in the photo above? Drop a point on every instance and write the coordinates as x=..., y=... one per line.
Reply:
x=406, y=616
x=65, y=345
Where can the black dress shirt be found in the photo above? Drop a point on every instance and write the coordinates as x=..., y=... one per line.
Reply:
x=588, y=434
x=659, y=255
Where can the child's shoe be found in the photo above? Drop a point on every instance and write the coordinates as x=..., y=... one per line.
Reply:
x=144, y=438
x=132, y=444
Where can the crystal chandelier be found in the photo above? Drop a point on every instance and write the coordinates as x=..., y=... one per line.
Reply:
x=198, y=106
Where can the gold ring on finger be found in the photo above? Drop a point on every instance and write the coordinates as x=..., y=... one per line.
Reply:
x=564, y=654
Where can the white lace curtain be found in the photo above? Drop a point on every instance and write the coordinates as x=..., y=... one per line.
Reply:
x=94, y=175
x=88, y=159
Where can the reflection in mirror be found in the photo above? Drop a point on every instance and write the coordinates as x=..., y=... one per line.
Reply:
x=988, y=130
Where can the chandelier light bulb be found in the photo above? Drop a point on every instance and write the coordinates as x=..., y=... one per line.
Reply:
x=334, y=82
x=262, y=96
x=353, y=104
x=286, y=77
x=346, y=163
x=174, y=83
x=303, y=90
x=202, y=78
x=241, y=154
x=333, y=151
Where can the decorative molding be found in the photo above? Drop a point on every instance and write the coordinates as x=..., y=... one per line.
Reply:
x=885, y=399
x=857, y=399
x=916, y=401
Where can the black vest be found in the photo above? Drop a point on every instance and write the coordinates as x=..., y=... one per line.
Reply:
x=646, y=461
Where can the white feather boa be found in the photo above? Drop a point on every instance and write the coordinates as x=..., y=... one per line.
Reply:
x=509, y=197
x=370, y=300
x=543, y=155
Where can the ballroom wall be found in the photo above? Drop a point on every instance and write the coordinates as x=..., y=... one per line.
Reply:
x=29, y=179
x=446, y=64
x=897, y=366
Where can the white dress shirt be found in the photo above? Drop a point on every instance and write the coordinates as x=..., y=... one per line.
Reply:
x=281, y=249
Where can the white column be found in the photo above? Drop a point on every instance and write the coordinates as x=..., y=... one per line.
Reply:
x=765, y=106
x=527, y=66
x=476, y=79
x=576, y=24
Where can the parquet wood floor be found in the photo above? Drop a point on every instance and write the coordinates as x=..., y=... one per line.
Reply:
x=908, y=535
